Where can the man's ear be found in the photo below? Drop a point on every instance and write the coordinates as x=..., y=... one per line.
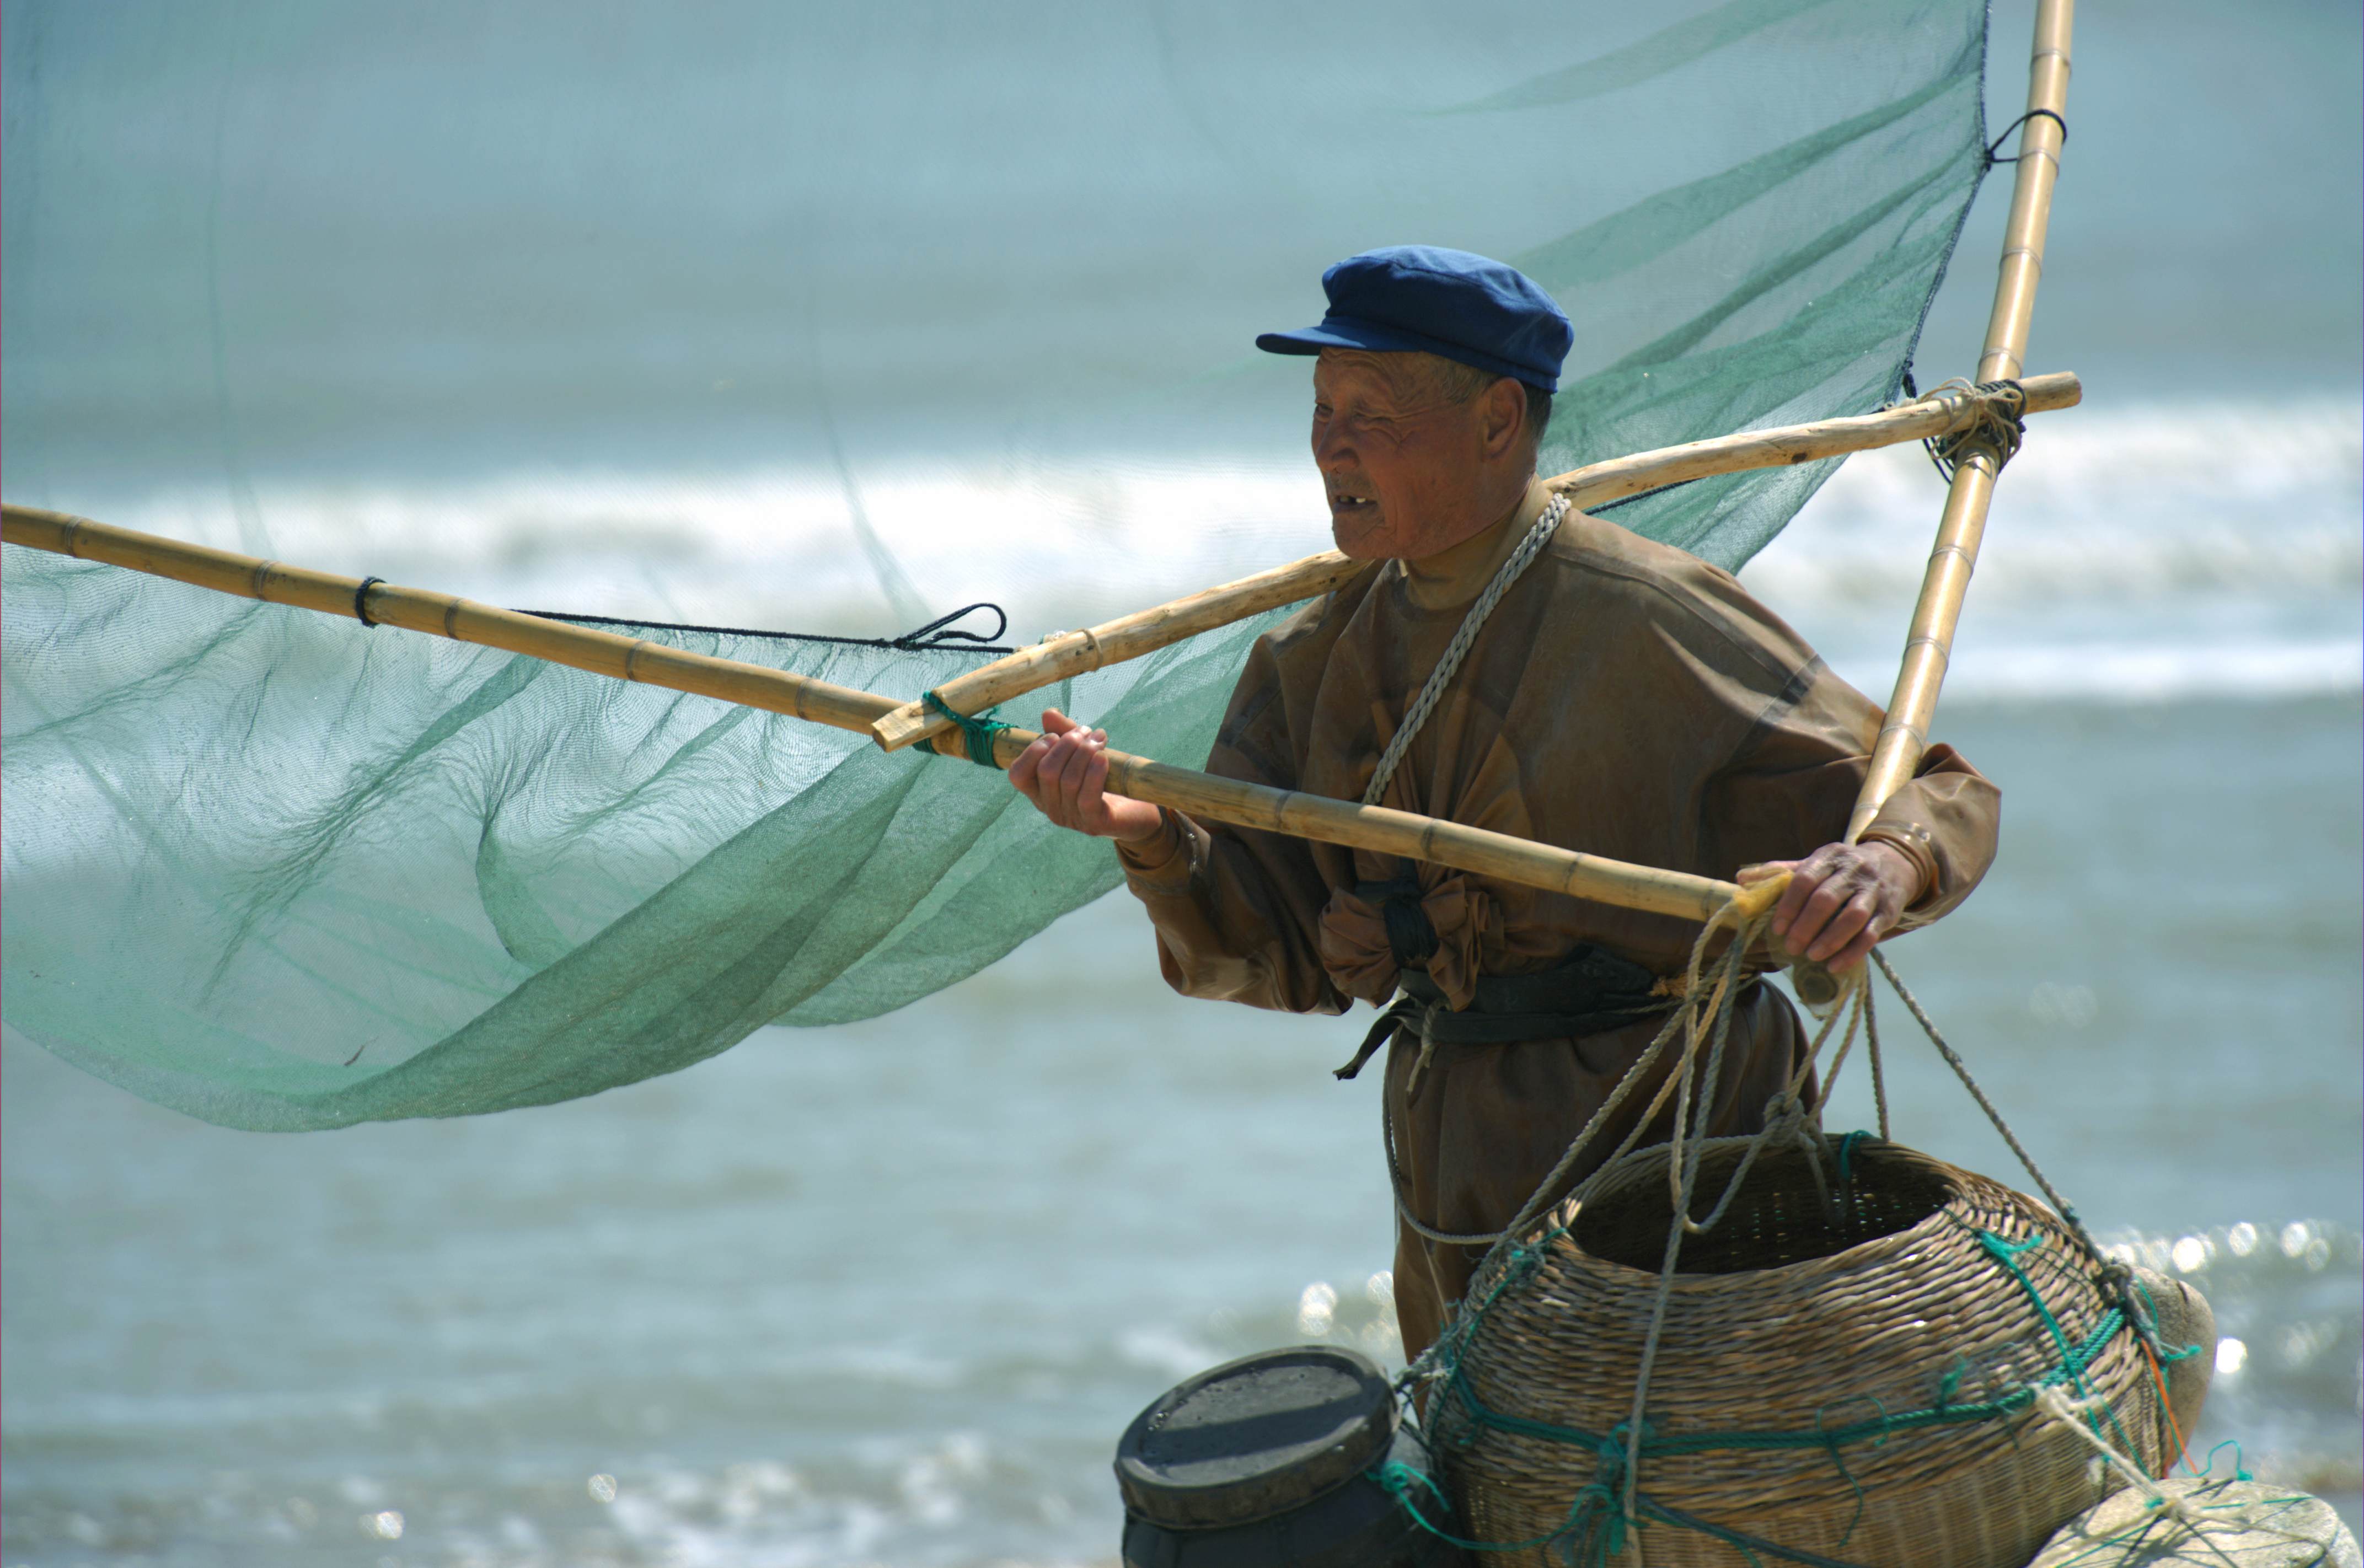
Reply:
x=1504, y=413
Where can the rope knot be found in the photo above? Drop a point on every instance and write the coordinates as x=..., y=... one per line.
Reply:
x=1598, y=1511
x=1785, y=1120
x=2117, y=1282
x=977, y=732
x=1997, y=431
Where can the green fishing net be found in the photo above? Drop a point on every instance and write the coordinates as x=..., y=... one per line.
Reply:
x=284, y=871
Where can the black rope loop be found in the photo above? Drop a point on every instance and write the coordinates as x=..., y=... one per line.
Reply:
x=937, y=636
x=2032, y=114
x=941, y=632
x=361, y=600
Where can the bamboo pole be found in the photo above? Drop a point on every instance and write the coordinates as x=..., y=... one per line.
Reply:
x=776, y=690
x=1145, y=632
x=1961, y=527
x=442, y=615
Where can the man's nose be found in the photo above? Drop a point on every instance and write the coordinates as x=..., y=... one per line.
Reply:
x=1331, y=446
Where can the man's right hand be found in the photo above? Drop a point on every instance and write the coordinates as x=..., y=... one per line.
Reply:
x=1064, y=772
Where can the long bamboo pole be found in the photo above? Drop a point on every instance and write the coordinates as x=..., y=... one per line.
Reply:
x=1145, y=632
x=778, y=690
x=1928, y=646
x=442, y=615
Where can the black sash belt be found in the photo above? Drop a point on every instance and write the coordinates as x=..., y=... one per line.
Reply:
x=1594, y=991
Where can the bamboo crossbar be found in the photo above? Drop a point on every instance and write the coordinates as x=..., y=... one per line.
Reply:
x=1936, y=615
x=1596, y=484
x=778, y=690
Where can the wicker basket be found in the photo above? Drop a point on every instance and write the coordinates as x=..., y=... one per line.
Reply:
x=1787, y=1321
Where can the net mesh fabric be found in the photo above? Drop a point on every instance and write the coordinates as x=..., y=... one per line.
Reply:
x=281, y=872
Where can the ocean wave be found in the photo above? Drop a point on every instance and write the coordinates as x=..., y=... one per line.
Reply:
x=2141, y=503
x=1018, y=1476
x=1985, y=670
x=2140, y=554
x=2289, y=1326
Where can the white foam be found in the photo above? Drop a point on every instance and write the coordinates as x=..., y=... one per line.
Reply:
x=2136, y=555
x=2137, y=505
x=781, y=548
x=2161, y=672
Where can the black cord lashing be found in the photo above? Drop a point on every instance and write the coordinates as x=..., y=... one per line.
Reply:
x=1912, y=394
x=1998, y=432
x=2000, y=427
x=361, y=600
x=937, y=636
x=2032, y=114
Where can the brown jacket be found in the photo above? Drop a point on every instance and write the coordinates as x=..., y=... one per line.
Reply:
x=1624, y=698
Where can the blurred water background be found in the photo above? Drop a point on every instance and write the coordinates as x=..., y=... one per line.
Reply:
x=887, y=1293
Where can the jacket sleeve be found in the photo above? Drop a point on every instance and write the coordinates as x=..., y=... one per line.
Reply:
x=1238, y=911
x=1790, y=786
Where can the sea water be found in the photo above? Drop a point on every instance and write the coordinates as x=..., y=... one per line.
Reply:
x=887, y=1293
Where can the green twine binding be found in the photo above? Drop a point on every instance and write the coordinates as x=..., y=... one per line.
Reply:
x=2072, y=1365
x=976, y=733
x=1400, y=1481
x=1593, y=1514
x=2240, y=1460
x=2160, y=1347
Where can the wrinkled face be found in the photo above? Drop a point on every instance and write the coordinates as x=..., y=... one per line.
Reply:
x=1401, y=457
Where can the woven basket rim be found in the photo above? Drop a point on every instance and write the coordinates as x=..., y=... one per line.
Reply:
x=1559, y=1223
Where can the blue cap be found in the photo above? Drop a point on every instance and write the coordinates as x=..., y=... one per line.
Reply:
x=1424, y=299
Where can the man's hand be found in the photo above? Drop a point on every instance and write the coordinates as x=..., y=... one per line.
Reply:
x=1841, y=899
x=1062, y=773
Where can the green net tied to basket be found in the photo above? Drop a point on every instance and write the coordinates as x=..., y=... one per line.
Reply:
x=1850, y=1367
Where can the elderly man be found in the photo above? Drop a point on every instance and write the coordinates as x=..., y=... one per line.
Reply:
x=1623, y=697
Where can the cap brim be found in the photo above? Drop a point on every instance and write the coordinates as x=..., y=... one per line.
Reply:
x=1349, y=332
x=1336, y=334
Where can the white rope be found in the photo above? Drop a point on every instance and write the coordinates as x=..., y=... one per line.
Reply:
x=1701, y=1001
x=1787, y=1120
x=2055, y=1402
x=1458, y=649
x=1448, y=665
x=1871, y=1047
x=1962, y=1070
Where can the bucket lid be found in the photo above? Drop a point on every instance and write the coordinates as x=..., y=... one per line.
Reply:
x=1255, y=1437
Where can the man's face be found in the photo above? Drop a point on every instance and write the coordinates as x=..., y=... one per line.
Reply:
x=1400, y=459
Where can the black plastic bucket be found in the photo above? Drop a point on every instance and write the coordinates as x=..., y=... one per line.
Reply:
x=1268, y=1461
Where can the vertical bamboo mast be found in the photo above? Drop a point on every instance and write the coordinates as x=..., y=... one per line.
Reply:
x=1929, y=646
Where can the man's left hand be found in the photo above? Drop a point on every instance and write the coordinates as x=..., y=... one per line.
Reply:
x=1841, y=899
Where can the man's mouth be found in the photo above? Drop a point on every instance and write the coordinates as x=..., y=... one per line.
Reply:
x=1339, y=501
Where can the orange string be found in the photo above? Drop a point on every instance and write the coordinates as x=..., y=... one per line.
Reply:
x=2166, y=1408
